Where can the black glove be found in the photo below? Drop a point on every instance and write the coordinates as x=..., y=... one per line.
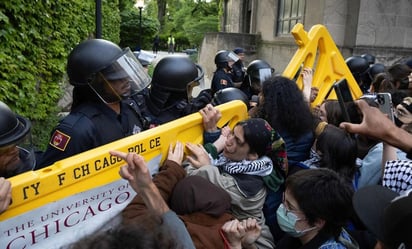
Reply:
x=204, y=98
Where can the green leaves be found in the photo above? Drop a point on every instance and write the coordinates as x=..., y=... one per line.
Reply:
x=35, y=40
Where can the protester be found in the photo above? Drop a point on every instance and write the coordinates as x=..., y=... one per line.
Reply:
x=281, y=97
x=5, y=194
x=376, y=125
x=103, y=75
x=202, y=206
x=316, y=207
x=240, y=169
x=160, y=229
x=387, y=214
x=335, y=149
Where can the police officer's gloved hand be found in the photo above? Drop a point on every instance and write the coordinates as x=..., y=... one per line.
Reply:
x=204, y=98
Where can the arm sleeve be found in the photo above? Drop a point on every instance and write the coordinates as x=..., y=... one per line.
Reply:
x=178, y=230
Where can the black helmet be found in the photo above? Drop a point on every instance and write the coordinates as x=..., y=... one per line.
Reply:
x=357, y=64
x=376, y=69
x=228, y=94
x=223, y=57
x=12, y=126
x=175, y=73
x=257, y=72
x=369, y=58
x=15, y=137
x=88, y=58
x=111, y=72
x=254, y=67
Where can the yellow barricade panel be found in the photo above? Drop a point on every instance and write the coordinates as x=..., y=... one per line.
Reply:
x=317, y=50
x=97, y=167
x=84, y=194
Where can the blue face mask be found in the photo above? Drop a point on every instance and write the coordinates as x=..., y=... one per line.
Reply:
x=287, y=222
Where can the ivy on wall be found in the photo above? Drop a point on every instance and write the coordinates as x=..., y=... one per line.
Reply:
x=35, y=40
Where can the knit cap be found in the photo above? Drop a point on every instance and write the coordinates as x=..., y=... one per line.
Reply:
x=258, y=134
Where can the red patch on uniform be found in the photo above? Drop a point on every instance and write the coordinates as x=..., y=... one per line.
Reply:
x=223, y=82
x=59, y=140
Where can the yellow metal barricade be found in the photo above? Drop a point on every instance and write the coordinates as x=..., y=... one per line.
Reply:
x=97, y=167
x=317, y=50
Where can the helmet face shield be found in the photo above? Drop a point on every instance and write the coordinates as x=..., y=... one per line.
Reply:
x=257, y=77
x=17, y=158
x=197, y=84
x=123, y=77
x=233, y=57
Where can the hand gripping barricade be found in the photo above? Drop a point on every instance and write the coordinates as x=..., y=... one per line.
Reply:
x=317, y=50
x=82, y=194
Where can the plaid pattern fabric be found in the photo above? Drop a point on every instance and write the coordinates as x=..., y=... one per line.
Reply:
x=397, y=175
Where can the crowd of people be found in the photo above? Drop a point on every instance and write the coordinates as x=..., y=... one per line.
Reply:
x=289, y=176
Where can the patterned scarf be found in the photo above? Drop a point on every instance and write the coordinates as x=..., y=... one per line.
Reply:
x=262, y=166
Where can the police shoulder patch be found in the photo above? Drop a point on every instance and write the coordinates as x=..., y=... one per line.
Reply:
x=59, y=140
x=223, y=82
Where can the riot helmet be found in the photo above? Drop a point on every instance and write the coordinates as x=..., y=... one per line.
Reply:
x=228, y=94
x=256, y=73
x=225, y=59
x=358, y=67
x=369, y=58
x=176, y=74
x=375, y=69
x=16, y=149
x=357, y=64
x=112, y=73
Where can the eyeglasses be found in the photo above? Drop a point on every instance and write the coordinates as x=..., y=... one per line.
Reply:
x=289, y=207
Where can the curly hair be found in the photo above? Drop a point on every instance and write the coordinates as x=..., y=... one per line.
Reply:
x=285, y=107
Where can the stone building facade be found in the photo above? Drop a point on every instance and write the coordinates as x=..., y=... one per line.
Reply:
x=382, y=28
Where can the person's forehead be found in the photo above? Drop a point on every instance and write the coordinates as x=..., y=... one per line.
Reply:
x=239, y=133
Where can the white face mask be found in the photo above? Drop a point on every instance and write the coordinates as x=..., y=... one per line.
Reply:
x=287, y=222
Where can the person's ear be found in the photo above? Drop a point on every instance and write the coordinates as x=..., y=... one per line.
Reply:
x=252, y=156
x=320, y=223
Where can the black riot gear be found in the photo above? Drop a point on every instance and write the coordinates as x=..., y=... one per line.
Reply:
x=223, y=57
x=175, y=73
x=256, y=73
x=111, y=72
x=228, y=94
x=170, y=94
x=15, y=137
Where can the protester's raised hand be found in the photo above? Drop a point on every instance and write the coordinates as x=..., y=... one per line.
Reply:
x=374, y=123
x=136, y=170
x=211, y=116
x=5, y=194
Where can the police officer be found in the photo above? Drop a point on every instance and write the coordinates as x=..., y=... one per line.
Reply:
x=359, y=67
x=222, y=77
x=256, y=73
x=238, y=68
x=228, y=94
x=170, y=94
x=103, y=75
x=16, y=150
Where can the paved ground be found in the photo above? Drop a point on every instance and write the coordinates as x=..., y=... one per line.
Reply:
x=162, y=54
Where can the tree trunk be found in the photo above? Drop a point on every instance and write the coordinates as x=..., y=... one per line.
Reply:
x=161, y=13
